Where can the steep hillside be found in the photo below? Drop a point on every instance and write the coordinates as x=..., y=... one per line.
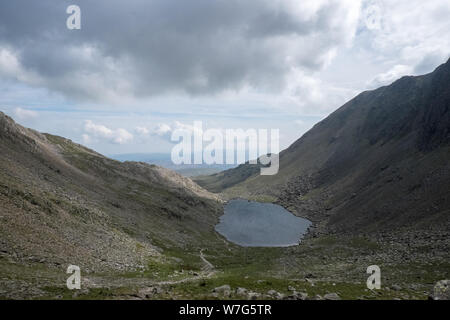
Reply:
x=379, y=162
x=61, y=203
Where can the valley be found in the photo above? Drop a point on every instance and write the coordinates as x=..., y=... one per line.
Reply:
x=375, y=185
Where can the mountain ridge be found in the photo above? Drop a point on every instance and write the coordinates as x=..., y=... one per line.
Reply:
x=373, y=149
x=63, y=203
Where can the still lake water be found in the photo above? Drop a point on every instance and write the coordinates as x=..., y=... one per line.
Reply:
x=256, y=224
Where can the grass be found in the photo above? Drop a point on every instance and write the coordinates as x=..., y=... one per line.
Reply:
x=258, y=270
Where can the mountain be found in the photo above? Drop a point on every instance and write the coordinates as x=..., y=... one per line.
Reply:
x=220, y=181
x=373, y=177
x=62, y=203
x=165, y=160
x=380, y=162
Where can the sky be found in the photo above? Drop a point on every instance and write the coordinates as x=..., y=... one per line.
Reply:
x=137, y=70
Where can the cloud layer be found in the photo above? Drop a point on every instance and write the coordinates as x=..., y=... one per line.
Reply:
x=147, y=48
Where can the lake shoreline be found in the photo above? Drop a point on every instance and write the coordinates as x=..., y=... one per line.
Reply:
x=256, y=224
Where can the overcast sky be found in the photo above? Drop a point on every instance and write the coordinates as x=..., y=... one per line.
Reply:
x=138, y=69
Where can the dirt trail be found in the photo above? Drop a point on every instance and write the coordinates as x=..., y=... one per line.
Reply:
x=208, y=265
x=98, y=282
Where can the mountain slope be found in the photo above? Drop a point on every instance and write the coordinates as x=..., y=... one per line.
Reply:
x=379, y=162
x=62, y=203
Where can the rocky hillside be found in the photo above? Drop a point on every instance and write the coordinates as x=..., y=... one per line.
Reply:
x=61, y=203
x=380, y=162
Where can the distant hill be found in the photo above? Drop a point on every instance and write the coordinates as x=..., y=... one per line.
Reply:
x=164, y=160
x=380, y=162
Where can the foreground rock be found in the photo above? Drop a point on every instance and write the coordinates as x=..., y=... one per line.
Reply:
x=441, y=290
x=332, y=296
x=224, y=290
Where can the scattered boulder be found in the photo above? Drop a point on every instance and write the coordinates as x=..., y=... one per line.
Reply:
x=332, y=296
x=224, y=290
x=441, y=290
x=149, y=292
x=253, y=295
x=241, y=291
x=297, y=296
x=275, y=294
x=311, y=282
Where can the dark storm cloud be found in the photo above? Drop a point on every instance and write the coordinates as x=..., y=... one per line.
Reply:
x=146, y=48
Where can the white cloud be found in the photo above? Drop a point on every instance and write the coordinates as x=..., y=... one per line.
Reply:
x=86, y=138
x=142, y=131
x=409, y=36
x=24, y=114
x=162, y=130
x=102, y=133
x=165, y=131
x=391, y=75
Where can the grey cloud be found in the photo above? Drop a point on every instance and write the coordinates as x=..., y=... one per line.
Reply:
x=145, y=48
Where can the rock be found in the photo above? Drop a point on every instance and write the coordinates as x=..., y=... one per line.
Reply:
x=224, y=290
x=301, y=295
x=253, y=295
x=79, y=293
x=310, y=282
x=280, y=296
x=241, y=291
x=275, y=294
x=291, y=288
x=396, y=287
x=147, y=293
x=332, y=296
x=272, y=292
x=297, y=296
x=441, y=290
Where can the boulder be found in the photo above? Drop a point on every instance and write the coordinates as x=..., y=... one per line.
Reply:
x=253, y=295
x=332, y=296
x=275, y=294
x=224, y=290
x=241, y=291
x=441, y=290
